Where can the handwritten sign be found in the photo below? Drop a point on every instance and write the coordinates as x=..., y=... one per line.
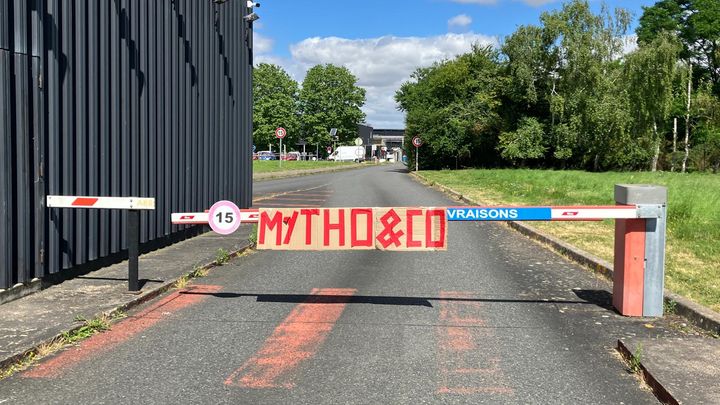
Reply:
x=392, y=229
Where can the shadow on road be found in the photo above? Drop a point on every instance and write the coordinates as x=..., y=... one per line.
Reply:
x=600, y=298
x=389, y=300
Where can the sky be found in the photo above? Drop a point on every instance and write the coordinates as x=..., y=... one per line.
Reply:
x=383, y=42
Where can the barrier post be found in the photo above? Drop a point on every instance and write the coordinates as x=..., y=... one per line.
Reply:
x=133, y=232
x=639, y=268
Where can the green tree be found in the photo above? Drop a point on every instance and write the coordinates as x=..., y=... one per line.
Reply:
x=706, y=110
x=651, y=72
x=275, y=104
x=330, y=98
x=454, y=106
x=524, y=144
x=697, y=24
x=585, y=99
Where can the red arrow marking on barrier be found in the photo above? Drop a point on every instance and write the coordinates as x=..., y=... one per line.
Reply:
x=187, y=217
x=84, y=202
x=570, y=213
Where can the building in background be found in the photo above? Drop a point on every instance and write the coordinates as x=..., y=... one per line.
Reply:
x=389, y=143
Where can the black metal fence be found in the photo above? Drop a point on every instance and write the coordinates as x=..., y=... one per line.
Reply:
x=147, y=98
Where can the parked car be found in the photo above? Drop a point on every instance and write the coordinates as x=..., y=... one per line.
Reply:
x=291, y=156
x=266, y=155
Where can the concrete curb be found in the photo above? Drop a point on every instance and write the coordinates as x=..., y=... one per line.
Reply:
x=20, y=290
x=660, y=392
x=698, y=315
x=141, y=299
x=303, y=172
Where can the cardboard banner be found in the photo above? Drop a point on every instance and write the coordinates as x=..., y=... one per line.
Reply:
x=392, y=229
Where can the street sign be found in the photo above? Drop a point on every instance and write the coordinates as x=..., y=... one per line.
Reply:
x=224, y=217
x=333, y=132
x=417, y=142
x=358, y=141
x=280, y=133
x=329, y=149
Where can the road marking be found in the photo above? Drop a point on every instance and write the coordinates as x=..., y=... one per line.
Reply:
x=120, y=332
x=466, y=367
x=295, y=340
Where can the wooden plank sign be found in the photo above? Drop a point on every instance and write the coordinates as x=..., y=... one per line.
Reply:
x=392, y=229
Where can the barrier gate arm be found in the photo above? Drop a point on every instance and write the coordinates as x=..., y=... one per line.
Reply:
x=488, y=213
x=132, y=204
x=640, y=222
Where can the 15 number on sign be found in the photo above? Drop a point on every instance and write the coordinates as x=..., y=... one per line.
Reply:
x=224, y=217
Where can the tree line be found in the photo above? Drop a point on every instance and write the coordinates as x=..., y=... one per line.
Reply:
x=329, y=98
x=566, y=94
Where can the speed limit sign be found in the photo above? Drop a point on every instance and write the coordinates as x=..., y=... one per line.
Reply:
x=280, y=133
x=417, y=141
x=224, y=217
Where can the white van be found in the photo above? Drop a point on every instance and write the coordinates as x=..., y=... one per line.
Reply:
x=348, y=154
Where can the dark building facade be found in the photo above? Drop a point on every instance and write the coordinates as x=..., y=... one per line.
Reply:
x=117, y=98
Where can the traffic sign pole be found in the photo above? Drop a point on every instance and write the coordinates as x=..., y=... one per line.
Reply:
x=280, y=133
x=417, y=157
x=417, y=142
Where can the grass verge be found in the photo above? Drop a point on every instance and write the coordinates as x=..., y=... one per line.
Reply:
x=271, y=166
x=87, y=328
x=693, y=243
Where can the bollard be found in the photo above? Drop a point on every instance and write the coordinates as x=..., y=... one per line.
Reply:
x=133, y=235
x=639, y=273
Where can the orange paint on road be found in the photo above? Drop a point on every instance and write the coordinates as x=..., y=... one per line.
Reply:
x=120, y=332
x=296, y=339
x=463, y=342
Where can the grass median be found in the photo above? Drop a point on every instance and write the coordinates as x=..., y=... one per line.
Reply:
x=274, y=166
x=693, y=244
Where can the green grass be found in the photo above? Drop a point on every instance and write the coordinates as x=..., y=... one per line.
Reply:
x=268, y=166
x=693, y=250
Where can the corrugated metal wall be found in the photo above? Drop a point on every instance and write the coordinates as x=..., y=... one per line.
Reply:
x=144, y=98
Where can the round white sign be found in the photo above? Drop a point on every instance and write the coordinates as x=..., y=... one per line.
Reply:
x=417, y=142
x=280, y=133
x=224, y=217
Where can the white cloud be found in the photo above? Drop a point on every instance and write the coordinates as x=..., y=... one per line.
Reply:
x=462, y=21
x=380, y=64
x=261, y=43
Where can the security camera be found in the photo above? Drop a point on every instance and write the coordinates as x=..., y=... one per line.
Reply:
x=251, y=17
x=252, y=4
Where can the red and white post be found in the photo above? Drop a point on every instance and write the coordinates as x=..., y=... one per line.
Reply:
x=132, y=204
x=639, y=268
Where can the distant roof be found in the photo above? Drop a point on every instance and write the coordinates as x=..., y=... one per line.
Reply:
x=388, y=132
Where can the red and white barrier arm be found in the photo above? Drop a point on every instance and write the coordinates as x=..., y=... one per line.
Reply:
x=201, y=218
x=119, y=203
x=593, y=213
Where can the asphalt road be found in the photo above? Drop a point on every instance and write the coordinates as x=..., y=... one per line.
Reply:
x=495, y=319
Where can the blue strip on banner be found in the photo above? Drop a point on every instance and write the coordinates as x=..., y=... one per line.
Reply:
x=499, y=214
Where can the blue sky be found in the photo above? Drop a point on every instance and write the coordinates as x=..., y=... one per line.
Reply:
x=382, y=42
